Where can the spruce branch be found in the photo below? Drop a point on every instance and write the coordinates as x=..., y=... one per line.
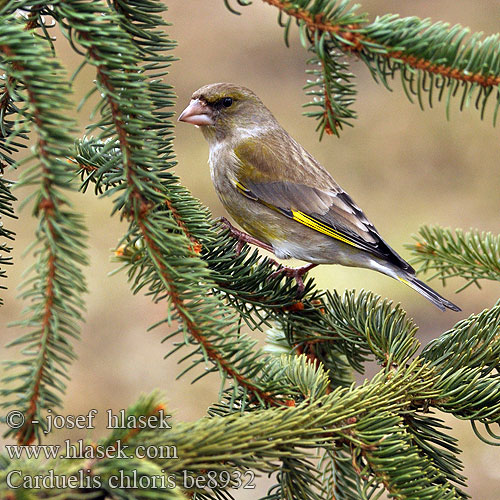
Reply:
x=345, y=415
x=372, y=317
x=332, y=90
x=341, y=477
x=432, y=438
x=304, y=484
x=358, y=327
x=434, y=61
x=57, y=283
x=470, y=255
x=466, y=357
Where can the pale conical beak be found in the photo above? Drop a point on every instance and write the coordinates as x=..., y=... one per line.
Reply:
x=197, y=113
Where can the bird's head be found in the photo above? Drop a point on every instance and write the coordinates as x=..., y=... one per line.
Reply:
x=222, y=109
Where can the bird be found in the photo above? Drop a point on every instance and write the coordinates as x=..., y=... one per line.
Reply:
x=283, y=198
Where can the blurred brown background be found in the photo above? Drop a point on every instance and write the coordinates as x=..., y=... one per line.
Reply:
x=404, y=167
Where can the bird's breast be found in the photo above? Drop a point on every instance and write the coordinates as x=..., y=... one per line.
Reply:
x=253, y=217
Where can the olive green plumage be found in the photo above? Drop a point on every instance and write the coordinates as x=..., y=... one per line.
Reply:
x=281, y=195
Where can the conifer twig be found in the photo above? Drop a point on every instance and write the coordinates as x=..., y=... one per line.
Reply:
x=470, y=255
x=55, y=296
x=432, y=59
x=354, y=41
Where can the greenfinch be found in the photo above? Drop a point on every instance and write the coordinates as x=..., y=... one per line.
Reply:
x=277, y=192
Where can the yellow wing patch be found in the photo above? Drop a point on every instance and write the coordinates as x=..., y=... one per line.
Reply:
x=317, y=225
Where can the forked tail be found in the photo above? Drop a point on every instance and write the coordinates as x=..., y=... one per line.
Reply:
x=428, y=293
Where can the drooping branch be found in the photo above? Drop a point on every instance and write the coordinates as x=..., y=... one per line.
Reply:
x=352, y=39
x=433, y=59
x=58, y=285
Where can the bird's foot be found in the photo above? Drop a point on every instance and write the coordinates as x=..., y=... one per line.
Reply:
x=293, y=272
x=243, y=237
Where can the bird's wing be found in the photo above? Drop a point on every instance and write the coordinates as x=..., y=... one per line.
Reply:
x=326, y=209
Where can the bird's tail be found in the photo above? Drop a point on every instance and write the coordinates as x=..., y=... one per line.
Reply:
x=427, y=292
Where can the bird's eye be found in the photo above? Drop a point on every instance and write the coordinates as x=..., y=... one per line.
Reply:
x=227, y=101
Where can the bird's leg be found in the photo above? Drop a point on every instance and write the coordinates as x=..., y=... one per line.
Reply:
x=293, y=272
x=244, y=237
